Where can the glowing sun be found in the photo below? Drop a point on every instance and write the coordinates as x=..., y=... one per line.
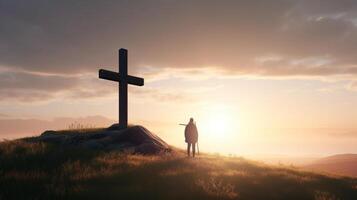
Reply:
x=217, y=123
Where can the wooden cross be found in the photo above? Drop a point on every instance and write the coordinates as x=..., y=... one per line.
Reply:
x=124, y=79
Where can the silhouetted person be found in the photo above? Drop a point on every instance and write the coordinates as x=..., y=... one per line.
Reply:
x=191, y=137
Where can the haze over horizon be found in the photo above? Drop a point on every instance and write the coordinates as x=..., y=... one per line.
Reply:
x=274, y=76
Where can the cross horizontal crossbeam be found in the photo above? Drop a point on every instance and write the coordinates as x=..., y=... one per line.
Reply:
x=114, y=76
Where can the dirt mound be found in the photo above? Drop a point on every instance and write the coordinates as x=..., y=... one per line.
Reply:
x=136, y=139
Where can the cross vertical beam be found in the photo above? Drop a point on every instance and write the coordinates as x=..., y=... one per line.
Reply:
x=123, y=79
x=123, y=88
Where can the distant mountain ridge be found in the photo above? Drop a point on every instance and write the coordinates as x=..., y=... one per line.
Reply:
x=16, y=127
x=341, y=164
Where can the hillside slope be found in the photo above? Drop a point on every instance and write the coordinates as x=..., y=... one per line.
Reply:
x=343, y=164
x=47, y=171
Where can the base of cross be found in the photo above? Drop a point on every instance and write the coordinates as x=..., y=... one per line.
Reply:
x=118, y=126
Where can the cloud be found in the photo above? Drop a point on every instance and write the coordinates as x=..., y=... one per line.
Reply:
x=161, y=95
x=152, y=74
x=40, y=82
x=2, y=115
x=25, y=96
x=67, y=37
x=51, y=44
x=31, y=87
x=352, y=86
x=343, y=133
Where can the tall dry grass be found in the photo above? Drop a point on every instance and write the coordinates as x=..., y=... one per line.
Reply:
x=43, y=171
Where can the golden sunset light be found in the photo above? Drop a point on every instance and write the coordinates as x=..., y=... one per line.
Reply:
x=218, y=123
x=178, y=99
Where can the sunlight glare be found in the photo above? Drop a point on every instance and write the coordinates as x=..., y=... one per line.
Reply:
x=218, y=124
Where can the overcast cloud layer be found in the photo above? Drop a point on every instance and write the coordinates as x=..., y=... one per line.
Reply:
x=48, y=43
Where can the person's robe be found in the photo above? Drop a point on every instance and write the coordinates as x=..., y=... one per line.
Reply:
x=191, y=134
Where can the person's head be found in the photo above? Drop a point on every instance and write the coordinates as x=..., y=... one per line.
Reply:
x=191, y=120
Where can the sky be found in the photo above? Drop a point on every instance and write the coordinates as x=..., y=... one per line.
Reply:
x=272, y=76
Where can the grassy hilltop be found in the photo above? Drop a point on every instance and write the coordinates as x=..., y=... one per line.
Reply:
x=44, y=171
